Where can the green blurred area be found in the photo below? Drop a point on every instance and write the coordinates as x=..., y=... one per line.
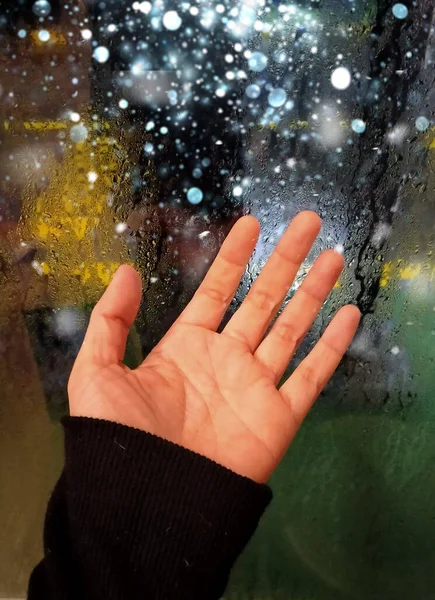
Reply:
x=353, y=515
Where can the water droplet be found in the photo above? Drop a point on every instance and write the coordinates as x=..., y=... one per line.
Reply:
x=44, y=35
x=253, y=91
x=78, y=133
x=358, y=126
x=38, y=267
x=197, y=173
x=422, y=123
x=22, y=34
x=67, y=322
x=400, y=11
x=277, y=97
x=92, y=176
x=195, y=195
x=123, y=103
x=341, y=78
x=150, y=125
x=172, y=20
x=42, y=8
x=101, y=54
x=121, y=228
x=143, y=7
x=237, y=191
x=149, y=148
x=257, y=62
x=86, y=34
x=172, y=97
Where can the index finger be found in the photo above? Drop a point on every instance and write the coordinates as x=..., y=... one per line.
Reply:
x=210, y=302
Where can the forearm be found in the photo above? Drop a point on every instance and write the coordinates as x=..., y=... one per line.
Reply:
x=134, y=516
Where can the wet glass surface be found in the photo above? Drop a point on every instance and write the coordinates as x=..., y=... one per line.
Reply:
x=138, y=132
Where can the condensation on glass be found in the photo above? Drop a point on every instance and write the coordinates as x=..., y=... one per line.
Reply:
x=139, y=132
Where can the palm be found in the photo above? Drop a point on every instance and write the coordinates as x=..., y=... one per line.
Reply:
x=216, y=394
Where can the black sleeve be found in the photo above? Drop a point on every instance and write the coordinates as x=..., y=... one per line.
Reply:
x=134, y=516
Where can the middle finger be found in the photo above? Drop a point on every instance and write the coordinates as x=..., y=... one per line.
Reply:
x=250, y=322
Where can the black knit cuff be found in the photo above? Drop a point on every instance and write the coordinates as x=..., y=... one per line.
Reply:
x=178, y=519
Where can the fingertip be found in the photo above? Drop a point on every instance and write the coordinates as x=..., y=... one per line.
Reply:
x=309, y=217
x=349, y=315
x=250, y=219
x=249, y=222
x=352, y=311
x=244, y=232
x=341, y=330
x=124, y=289
x=333, y=257
x=125, y=271
x=126, y=276
x=339, y=259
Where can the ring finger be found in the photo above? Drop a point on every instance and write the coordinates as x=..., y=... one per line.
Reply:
x=278, y=347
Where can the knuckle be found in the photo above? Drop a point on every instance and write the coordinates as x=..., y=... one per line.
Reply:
x=242, y=337
x=214, y=293
x=311, y=377
x=262, y=300
x=297, y=420
x=288, y=333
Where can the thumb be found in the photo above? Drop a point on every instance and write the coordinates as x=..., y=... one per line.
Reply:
x=111, y=319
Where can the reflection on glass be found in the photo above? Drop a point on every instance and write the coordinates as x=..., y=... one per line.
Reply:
x=138, y=132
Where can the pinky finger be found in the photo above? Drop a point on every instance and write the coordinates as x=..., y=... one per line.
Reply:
x=308, y=380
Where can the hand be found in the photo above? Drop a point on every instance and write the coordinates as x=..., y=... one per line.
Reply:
x=216, y=393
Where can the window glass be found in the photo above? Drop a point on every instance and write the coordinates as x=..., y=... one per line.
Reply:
x=139, y=132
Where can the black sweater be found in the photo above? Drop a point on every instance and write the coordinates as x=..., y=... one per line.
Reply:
x=136, y=517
